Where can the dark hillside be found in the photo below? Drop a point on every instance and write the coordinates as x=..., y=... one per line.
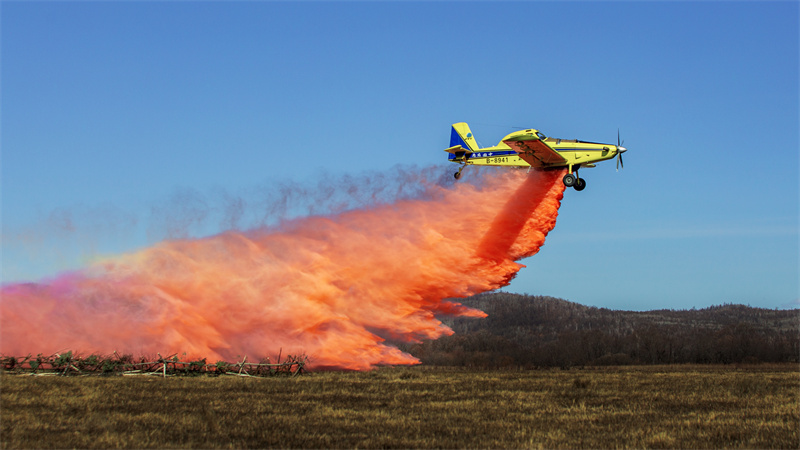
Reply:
x=531, y=331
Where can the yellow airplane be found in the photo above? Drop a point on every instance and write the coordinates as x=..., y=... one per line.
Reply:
x=531, y=148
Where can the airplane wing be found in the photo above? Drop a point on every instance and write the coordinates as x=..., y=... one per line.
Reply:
x=535, y=152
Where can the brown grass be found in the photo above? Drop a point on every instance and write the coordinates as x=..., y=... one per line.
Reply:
x=654, y=407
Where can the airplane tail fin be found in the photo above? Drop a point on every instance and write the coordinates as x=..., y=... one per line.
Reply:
x=461, y=135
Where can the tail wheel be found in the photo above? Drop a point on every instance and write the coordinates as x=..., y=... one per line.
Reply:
x=569, y=180
x=580, y=184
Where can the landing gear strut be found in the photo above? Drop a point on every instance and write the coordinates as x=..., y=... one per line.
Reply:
x=573, y=181
x=457, y=175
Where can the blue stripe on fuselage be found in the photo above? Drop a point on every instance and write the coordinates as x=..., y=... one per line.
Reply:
x=512, y=152
x=484, y=154
x=493, y=153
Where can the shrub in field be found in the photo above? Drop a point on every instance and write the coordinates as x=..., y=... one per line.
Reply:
x=62, y=360
x=90, y=362
x=8, y=362
x=108, y=366
x=37, y=363
x=195, y=367
x=221, y=367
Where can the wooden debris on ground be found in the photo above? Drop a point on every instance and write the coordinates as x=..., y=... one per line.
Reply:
x=69, y=364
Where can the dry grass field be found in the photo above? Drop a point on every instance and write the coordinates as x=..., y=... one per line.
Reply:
x=656, y=407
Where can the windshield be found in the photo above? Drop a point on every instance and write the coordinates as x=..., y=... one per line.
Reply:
x=541, y=135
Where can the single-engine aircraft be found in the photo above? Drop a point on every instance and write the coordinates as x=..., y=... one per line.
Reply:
x=530, y=148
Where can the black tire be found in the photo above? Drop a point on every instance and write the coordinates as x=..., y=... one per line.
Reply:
x=457, y=175
x=569, y=180
x=580, y=185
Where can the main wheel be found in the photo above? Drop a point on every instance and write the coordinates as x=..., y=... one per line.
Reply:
x=569, y=180
x=457, y=175
x=580, y=185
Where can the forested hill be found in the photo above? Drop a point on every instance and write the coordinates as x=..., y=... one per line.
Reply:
x=535, y=331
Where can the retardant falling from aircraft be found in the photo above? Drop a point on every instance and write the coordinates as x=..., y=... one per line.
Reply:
x=333, y=287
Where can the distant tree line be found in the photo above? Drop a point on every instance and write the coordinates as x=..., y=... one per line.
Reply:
x=534, y=331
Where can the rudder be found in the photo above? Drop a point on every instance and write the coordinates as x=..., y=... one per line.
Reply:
x=462, y=135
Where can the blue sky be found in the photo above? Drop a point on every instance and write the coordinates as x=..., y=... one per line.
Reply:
x=125, y=123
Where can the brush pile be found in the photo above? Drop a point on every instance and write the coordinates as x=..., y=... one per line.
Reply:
x=69, y=364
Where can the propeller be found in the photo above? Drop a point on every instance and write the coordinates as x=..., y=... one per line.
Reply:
x=620, y=151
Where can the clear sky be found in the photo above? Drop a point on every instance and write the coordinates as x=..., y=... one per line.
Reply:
x=127, y=122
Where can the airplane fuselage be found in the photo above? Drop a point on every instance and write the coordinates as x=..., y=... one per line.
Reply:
x=576, y=152
x=531, y=148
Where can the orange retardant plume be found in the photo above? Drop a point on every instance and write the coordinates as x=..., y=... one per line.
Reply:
x=333, y=287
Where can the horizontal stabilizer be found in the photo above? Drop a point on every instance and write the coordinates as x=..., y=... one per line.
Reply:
x=458, y=150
